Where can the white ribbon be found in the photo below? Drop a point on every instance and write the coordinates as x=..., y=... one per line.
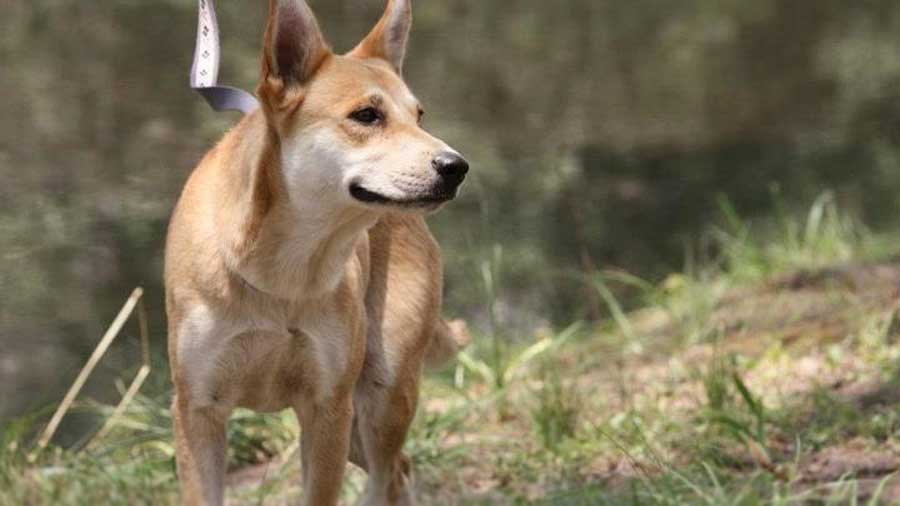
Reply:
x=205, y=70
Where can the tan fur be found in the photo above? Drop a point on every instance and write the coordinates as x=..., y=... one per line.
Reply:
x=282, y=291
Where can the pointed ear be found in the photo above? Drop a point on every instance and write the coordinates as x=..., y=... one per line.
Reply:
x=294, y=46
x=388, y=39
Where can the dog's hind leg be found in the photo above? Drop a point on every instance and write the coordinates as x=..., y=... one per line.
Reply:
x=384, y=414
x=385, y=408
x=200, y=446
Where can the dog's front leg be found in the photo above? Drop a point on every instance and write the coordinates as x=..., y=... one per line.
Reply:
x=324, y=448
x=200, y=447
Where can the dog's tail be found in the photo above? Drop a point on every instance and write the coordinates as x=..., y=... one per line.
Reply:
x=448, y=339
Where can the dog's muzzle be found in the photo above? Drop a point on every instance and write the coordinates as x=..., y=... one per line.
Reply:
x=452, y=169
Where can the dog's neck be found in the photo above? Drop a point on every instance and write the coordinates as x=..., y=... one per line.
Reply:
x=303, y=254
x=291, y=249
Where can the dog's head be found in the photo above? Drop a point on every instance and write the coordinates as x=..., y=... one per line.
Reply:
x=348, y=128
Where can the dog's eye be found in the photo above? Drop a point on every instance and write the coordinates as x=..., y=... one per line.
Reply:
x=421, y=114
x=366, y=116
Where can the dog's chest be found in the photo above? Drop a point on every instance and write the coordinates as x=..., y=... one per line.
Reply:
x=269, y=362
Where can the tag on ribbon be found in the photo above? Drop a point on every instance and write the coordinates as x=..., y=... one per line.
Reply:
x=205, y=70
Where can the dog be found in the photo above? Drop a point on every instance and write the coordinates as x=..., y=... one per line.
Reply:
x=299, y=270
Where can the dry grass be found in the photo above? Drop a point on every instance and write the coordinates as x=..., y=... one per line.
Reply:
x=753, y=382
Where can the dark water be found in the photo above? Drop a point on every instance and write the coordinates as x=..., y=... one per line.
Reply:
x=601, y=134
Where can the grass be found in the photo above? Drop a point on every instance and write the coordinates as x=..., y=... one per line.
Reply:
x=768, y=374
x=557, y=407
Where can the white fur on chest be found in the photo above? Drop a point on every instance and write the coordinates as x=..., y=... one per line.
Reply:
x=222, y=355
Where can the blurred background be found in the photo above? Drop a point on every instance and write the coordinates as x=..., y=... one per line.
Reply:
x=603, y=134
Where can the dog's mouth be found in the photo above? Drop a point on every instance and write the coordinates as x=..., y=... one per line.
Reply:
x=430, y=201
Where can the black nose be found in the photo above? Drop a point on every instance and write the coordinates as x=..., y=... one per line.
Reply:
x=451, y=167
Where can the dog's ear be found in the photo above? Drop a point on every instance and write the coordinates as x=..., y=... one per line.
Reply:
x=388, y=39
x=293, y=47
